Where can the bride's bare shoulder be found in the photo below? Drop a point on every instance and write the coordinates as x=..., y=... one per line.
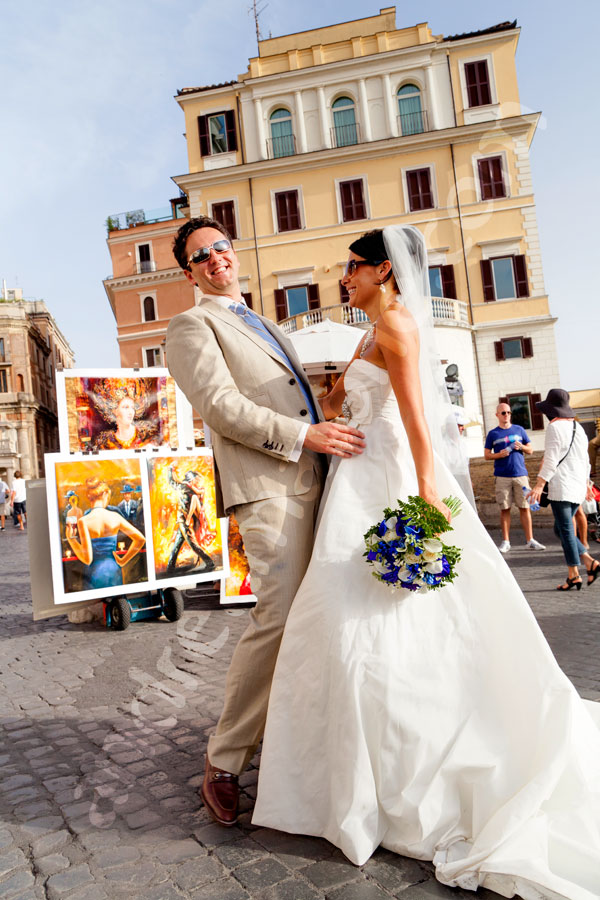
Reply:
x=396, y=320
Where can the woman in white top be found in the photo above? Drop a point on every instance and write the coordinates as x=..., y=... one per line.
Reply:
x=566, y=468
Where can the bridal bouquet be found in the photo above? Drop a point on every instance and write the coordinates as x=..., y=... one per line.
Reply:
x=404, y=549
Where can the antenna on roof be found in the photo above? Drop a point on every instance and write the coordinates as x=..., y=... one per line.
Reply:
x=256, y=9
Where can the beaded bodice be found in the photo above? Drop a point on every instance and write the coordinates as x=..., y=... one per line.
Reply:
x=369, y=394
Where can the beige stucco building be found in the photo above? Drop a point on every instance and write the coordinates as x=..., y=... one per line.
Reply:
x=334, y=131
x=32, y=348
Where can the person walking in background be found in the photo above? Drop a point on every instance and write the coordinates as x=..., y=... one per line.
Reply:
x=18, y=499
x=593, y=447
x=506, y=445
x=565, y=468
x=4, y=503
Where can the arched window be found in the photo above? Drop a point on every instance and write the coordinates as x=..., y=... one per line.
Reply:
x=345, y=131
x=410, y=113
x=282, y=138
x=149, y=309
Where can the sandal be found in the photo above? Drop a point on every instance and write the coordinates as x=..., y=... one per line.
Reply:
x=593, y=573
x=573, y=582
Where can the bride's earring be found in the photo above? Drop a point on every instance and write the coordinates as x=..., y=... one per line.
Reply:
x=382, y=287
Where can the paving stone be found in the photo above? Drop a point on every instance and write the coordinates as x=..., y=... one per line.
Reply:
x=361, y=890
x=195, y=872
x=221, y=890
x=37, y=827
x=261, y=874
x=90, y=892
x=6, y=838
x=75, y=877
x=294, y=889
x=11, y=859
x=330, y=872
x=116, y=856
x=15, y=886
x=137, y=875
x=50, y=842
x=177, y=851
x=163, y=892
x=142, y=818
x=394, y=873
x=212, y=835
x=239, y=852
x=15, y=781
x=49, y=865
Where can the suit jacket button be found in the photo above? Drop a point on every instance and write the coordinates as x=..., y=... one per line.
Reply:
x=303, y=412
x=292, y=381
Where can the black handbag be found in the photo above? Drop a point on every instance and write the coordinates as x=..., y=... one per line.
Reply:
x=544, y=499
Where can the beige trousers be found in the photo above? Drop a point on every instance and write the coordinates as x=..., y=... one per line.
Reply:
x=278, y=539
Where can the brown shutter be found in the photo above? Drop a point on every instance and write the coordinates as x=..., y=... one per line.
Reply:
x=488, y=280
x=225, y=214
x=448, y=283
x=360, y=211
x=419, y=190
x=248, y=298
x=499, y=350
x=204, y=139
x=313, y=296
x=478, y=83
x=344, y=295
x=497, y=179
x=288, y=212
x=503, y=400
x=230, y=129
x=485, y=179
x=352, y=200
x=414, y=197
x=537, y=418
x=280, y=305
x=527, y=345
x=520, y=265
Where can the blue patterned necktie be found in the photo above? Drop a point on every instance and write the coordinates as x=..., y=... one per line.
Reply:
x=253, y=322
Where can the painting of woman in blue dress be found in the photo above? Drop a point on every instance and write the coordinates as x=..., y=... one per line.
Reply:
x=93, y=539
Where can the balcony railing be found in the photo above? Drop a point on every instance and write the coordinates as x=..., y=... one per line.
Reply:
x=145, y=265
x=120, y=221
x=342, y=313
x=345, y=135
x=412, y=123
x=445, y=312
x=283, y=145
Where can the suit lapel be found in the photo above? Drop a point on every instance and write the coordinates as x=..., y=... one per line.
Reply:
x=226, y=315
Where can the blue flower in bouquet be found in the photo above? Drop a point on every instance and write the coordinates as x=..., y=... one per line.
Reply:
x=404, y=549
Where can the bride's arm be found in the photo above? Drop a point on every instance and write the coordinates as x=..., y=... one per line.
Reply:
x=398, y=340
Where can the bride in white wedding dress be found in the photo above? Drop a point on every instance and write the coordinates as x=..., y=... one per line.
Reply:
x=437, y=725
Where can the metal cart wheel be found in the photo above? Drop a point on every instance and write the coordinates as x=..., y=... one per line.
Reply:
x=172, y=604
x=120, y=613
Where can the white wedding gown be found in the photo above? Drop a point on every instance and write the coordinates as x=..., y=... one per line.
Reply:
x=438, y=725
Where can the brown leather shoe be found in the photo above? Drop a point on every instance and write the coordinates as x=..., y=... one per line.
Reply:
x=220, y=793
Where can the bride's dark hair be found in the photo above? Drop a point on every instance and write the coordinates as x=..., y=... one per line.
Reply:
x=370, y=246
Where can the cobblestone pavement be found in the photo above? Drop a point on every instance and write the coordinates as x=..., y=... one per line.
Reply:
x=103, y=738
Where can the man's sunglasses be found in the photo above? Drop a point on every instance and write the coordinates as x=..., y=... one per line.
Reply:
x=353, y=264
x=203, y=253
x=504, y=413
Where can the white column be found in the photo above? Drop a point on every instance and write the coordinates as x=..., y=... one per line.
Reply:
x=325, y=135
x=390, y=113
x=260, y=128
x=432, y=104
x=300, y=120
x=364, y=109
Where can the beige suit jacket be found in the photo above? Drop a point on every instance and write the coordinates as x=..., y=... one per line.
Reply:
x=249, y=399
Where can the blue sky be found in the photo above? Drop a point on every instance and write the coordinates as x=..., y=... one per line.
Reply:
x=90, y=127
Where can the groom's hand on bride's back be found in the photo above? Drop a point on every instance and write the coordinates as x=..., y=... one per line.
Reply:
x=337, y=440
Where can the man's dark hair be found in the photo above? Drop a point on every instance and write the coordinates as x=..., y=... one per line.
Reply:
x=188, y=228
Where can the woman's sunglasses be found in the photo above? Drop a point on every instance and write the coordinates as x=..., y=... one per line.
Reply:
x=203, y=253
x=353, y=264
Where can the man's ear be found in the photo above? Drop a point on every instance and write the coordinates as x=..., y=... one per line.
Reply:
x=190, y=277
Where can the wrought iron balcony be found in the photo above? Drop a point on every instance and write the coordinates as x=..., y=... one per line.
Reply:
x=412, y=123
x=283, y=145
x=345, y=135
x=145, y=265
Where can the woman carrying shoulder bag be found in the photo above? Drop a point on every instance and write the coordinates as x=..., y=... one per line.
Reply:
x=565, y=468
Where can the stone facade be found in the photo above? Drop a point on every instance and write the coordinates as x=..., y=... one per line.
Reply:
x=32, y=348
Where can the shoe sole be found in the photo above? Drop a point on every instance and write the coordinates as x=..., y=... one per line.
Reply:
x=214, y=815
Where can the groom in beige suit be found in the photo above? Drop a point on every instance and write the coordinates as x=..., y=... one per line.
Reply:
x=242, y=375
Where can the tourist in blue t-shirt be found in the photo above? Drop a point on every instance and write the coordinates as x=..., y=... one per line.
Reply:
x=506, y=445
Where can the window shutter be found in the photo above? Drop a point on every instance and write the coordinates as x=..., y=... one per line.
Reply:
x=420, y=195
x=537, y=418
x=248, y=298
x=225, y=214
x=488, y=280
x=497, y=179
x=499, y=350
x=527, y=345
x=288, y=212
x=448, y=283
x=280, y=305
x=204, y=139
x=149, y=313
x=352, y=200
x=485, y=179
x=313, y=296
x=230, y=129
x=344, y=295
x=360, y=211
x=293, y=209
x=520, y=265
x=478, y=83
x=503, y=400
x=281, y=210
